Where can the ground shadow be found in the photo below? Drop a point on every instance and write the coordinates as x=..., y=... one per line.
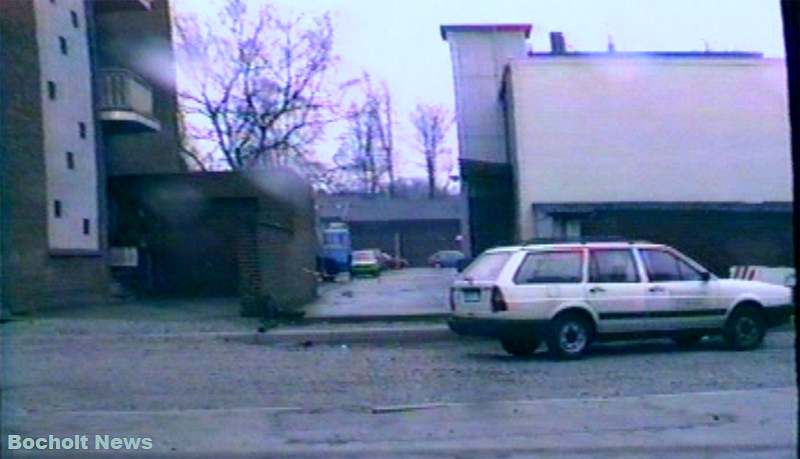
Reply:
x=611, y=349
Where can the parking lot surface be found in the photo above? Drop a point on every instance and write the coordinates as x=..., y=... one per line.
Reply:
x=121, y=373
x=411, y=291
x=303, y=398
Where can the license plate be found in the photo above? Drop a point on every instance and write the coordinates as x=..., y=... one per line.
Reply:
x=472, y=295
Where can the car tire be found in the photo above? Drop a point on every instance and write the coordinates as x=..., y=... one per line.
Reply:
x=745, y=328
x=569, y=337
x=687, y=339
x=519, y=347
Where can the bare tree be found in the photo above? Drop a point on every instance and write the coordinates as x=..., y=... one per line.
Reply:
x=431, y=123
x=356, y=155
x=366, y=146
x=193, y=157
x=257, y=90
x=380, y=109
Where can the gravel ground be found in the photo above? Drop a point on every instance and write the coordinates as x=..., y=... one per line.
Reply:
x=73, y=372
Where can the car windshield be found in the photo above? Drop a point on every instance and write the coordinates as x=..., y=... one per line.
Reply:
x=487, y=266
x=364, y=255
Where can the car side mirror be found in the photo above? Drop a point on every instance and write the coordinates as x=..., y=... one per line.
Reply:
x=462, y=264
x=705, y=276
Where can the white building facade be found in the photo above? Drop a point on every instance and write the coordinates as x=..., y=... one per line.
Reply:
x=647, y=128
x=641, y=145
x=68, y=110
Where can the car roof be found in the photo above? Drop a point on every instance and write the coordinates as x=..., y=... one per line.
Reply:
x=592, y=245
x=575, y=245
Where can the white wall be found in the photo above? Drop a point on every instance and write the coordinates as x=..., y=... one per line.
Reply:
x=598, y=129
x=478, y=62
x=77, y=188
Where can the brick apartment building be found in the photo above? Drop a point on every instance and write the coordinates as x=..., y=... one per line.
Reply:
x=88, y=107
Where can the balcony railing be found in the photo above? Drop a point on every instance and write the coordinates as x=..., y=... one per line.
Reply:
x=126, y=100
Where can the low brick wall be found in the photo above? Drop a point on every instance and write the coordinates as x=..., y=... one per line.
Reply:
x=254, y=234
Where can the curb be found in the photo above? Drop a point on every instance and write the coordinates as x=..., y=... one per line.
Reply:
x=373, y=335
x=334, y=319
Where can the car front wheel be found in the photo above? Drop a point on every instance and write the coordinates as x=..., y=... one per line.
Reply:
x=520, y=347
x=745, y=329
x=570, y=336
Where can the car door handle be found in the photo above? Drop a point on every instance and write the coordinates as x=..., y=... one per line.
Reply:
x=656, y=289
x=596, y=290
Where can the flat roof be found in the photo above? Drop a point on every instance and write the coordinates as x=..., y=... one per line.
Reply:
x=525, y=28
x=661, y=54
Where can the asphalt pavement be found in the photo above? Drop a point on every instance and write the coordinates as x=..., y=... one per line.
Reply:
x=462, y=398
x=201, y=382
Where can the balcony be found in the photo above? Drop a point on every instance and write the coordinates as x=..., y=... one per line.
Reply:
x=110, y=6
x=126, y=102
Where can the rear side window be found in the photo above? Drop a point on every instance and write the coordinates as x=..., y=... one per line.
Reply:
x=663, y=266
x=550, y=268
x=612, y=266
x=487, y=266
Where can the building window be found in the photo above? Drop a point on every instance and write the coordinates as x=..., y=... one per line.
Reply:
x=82, y=129
x=51, y=90
x=62, y=43
x=85, y=226
x=57, y=208
x=70, y=160
x=74, y=16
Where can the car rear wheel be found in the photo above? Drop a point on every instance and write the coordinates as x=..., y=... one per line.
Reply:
x=745, y=329
x=570, y=336
x=520, y=347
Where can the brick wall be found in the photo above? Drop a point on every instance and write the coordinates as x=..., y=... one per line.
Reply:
x=249, y=269
x=141, y=41
x=23, y=187
x=267, y=223
x=31, y=278
x=296, y=248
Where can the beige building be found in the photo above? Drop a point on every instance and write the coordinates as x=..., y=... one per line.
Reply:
x=685, y=148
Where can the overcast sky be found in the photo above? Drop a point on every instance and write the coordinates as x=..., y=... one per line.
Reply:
x=399, y=41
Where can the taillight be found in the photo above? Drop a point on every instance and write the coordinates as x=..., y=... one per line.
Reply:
x=452, y=299
x=498, y=302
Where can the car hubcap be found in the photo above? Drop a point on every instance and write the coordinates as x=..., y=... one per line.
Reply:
x=572, y=337
x=747, y=330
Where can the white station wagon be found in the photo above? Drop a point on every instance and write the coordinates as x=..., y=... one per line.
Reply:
x=570, y=294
